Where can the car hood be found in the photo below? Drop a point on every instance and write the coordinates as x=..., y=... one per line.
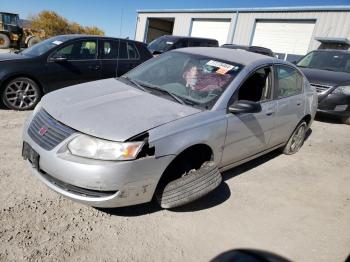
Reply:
x=112, y=110
x=11, y=56
x=325, y=77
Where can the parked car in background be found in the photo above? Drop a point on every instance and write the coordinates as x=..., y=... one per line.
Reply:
x=329, y=72
x=170, y=42
x=168, y=127
x=62, y=61
x=254, y=49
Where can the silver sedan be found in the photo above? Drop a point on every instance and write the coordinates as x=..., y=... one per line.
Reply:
x=168, y=128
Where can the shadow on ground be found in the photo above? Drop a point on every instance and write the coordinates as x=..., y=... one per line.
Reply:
x=328, y=119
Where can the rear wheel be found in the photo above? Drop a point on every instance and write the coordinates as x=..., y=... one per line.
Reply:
x=4, y=41
x=296, y=140
x=21, y=94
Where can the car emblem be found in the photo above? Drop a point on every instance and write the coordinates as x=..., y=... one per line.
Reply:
x=43, y=130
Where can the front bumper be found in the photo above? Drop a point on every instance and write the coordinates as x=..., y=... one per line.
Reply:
x=94, y=182
x=335, y=104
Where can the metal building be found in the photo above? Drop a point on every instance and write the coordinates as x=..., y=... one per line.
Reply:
x=289, y=31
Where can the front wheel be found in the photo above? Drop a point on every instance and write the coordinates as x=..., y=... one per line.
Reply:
x=4, y=41
x=296, y=140
x=21, y=94
x=190, y=187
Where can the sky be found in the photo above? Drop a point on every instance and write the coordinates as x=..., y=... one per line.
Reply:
x=118, y=18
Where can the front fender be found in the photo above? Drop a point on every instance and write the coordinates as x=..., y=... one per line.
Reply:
x=208, y=127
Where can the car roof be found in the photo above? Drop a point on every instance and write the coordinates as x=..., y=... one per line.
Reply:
x=232, y=55
x=187, y=37
x=77, y=36
x=332, y=50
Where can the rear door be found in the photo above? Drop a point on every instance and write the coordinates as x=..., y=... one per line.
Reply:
x=81, y=64
x=129, y=57
x=108, y=55
x=290, y=102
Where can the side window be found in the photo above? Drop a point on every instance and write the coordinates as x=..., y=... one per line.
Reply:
x=181, y=43
x=289, y=81
x=109, y=49
x=258, y=87
x=194, y=43
x=132, y=51
x=123, y=53
x=81, y=50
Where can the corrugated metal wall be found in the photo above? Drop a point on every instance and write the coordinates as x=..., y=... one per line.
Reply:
x=328, y=23
x=183, y=21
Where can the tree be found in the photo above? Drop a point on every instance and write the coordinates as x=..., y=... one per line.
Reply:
x=53, y=24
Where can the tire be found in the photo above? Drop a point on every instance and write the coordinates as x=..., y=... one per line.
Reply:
x=20, y=94
x=346, y=120
x=192, y=186
x=296, y=140
x=32, y=41
x=4, y=41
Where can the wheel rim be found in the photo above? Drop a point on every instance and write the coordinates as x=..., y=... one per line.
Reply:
x=298, y=138
x=21, y=94
x=2, y=41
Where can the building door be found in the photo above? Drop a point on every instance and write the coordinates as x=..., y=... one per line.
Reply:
x=289, y=39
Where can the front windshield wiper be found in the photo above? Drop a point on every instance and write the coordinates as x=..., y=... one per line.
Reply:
x=135, y=83
x=175, y=97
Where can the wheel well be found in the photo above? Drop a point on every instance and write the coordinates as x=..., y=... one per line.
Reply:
x=307, y=118
x=7, y=80
x=191, y=158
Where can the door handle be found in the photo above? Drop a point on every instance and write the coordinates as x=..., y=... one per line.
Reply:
x=299, y=103
x=95, y=68
x=270, y=113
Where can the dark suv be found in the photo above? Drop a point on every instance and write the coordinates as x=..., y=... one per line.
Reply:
x=170, y=42
x=329, y=72
x=63, y=61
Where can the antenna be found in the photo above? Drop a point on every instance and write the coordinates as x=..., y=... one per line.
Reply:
x=121, y=22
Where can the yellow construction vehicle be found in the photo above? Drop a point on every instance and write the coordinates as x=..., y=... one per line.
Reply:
x=13, y=34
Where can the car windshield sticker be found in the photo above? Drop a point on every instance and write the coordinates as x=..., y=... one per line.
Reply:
x=57, y=42
x=223, y=68
x=169, y=43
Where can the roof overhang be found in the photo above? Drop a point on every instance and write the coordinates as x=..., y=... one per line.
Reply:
x=253, y=10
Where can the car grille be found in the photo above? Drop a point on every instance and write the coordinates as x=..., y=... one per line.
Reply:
x=48, y=132
x=320, y=88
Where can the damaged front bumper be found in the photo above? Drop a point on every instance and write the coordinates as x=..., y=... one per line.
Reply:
x=94, y=182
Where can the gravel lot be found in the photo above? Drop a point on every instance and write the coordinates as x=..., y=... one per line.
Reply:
x=296, y=206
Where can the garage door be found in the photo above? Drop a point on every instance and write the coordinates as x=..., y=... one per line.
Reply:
x=211, y=29
x=287, y=37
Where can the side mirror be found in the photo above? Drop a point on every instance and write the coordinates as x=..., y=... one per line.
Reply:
x=156, y=52
x=58, y=59
x=244, y=106
x=294, y=62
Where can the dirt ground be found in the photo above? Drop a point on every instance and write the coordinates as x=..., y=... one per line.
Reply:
x=296, y=206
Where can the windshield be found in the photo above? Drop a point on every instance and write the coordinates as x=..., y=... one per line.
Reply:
x=161, y=44
x=196, y=80
x=44, y=46
x=332, y=61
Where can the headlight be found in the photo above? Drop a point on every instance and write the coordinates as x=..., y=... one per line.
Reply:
x=90, y=147
x=342, y=90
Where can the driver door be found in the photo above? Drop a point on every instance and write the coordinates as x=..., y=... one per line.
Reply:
x=80, y=64
x=250, y=133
